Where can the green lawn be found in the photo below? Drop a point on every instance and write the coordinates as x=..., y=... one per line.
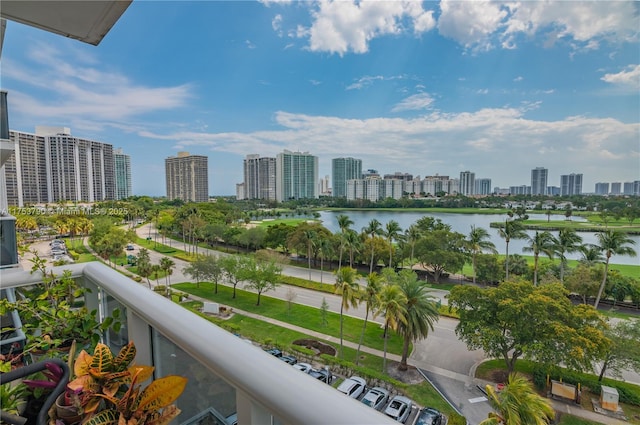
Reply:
x=300, y=315
x=288, y=221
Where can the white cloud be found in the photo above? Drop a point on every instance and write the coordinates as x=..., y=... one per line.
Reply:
x=70, y=92
x=249, y=44
x=518, y=79
x=348, y=26
x=482, y=25
x=362, y=82
x=276, y=24
x=269, y=3
x=489, y=138
x=414, y=103
x=629, y=78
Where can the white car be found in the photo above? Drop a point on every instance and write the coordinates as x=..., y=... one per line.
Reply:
x=305, y=367
x=354, y=387
x=399, y=408
x=376, y=397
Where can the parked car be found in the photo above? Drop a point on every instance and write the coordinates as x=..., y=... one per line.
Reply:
x=289, y=359
x=429, y=416
x=399, y=408
x=130, y=247
x=376, y=397
x=323, y=375
x=274, y=352
x=353, y=387
x=305, y=367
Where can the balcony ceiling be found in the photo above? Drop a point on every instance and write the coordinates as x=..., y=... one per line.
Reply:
x=87, y=21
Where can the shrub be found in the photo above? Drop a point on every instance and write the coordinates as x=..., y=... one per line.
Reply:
x=456, y=419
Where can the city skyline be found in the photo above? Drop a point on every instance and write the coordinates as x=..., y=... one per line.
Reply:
x=416, y=87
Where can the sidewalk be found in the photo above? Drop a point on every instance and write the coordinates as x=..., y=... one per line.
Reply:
x=467, y=380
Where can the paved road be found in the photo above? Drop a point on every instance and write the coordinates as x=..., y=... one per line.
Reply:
x=442, y=357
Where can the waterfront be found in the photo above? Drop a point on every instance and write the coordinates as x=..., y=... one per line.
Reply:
x=462, y=223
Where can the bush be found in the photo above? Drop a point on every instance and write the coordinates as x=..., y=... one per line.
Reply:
x=629, y=393
x=73, y=255
x=456, y=419
x=304, y=283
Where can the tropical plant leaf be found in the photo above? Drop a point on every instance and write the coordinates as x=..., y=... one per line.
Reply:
x=82, y=364
x=125, y=357
x=102, y=359
x=142, y=372
x=168, y=414
x=161, y=392
x=106, y=417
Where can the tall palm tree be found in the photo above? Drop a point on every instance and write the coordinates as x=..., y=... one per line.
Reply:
x=325, y=250
x=411, y=235
x=540, y=242
x=369, y=296
x=568, y=241
x=392, y=304
x=348, y=288
x=518, y=404
x=612, y=243
x=477, y=243
x=392, y=232
x=373, y=229
x=512, y=229
x=343, y=223
x=353, y=242
x=420, y=312
x=309, y=236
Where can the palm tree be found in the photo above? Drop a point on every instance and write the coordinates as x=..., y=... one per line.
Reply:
x=512, y=229
x=167, y=265
x=568, y=241
x=477, y=243
x=591, y=254
x=612, y=242
x=420, y=312
x=352, y=241
x=392, y=304
x=343, y=223
x=348, y=288
x=373, y=229
x=309, y=236
x=369, y=296
x=392, y=232
x=540, y=242
x=412, y=234
x=325, y=249
x=518, y=404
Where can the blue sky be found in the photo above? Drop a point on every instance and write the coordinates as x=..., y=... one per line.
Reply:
x=496, y=88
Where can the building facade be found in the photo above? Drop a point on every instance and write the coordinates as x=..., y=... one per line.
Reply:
x=483, y=187
x=342, y=170
x=187, y=177
x=539, y=176
x=296, y=176
x=616, y=188
x=122, y=170
x=602, y=188
x=51, y=165
x=467, y=183
x=571, y=184
x=259, y=178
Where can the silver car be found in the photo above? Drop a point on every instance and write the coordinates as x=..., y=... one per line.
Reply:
x=399, y=408
x=376, y=397
x=354, y=387
x=305, y=367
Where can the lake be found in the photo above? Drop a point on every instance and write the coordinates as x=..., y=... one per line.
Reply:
x=462, y=223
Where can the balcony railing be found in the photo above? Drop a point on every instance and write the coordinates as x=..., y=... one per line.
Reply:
x=227, y=376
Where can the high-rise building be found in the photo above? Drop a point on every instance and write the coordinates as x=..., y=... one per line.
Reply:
x=467, y=183
x=187, y=177
x=571, y=184
x=52, y=165
x=627, y=188
x=616, y=188
x=344, y=169
x=602, y=188
x=296, y=176
x=483, y=187
x=636, y=187
x=539, y=181
x=260, y=177
x=323, y=186
x=122, y=170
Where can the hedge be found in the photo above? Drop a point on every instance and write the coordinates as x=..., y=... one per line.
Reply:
x=629, y=393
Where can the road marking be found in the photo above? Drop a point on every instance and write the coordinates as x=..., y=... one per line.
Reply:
x=477, y=400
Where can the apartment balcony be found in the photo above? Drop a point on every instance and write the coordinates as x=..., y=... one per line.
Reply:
x=226, y=376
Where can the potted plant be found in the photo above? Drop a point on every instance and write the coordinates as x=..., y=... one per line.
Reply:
x=51, y=318
x=106, y=390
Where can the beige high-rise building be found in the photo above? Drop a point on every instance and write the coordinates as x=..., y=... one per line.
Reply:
x=187, y=177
